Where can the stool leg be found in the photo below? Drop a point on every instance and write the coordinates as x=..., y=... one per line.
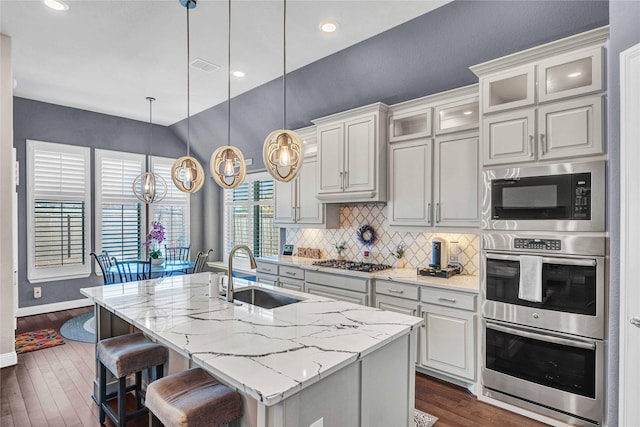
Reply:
x=138, y=389
x=153, y=420
x=159, y=371
x=103, y=391
x=122, y=405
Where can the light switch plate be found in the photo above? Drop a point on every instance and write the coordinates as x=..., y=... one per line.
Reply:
x=317, y=423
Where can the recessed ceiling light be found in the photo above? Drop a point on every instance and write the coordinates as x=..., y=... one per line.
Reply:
x=576, y=74
x=238, y=73
x=466, y=113
x=328, y=27
x=57, y=5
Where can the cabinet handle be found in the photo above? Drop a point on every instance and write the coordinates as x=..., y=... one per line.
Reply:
x=342, y=180
x=290, y=273
x=429, y=213
x=530, y=145
x=452, y=300
x=297, y=213
x=346, y=180
x=293, y=213
x=543, y=145
x=438, y=212
x=635, y=321
x=396, y=291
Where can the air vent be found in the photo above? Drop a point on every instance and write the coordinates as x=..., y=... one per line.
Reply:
x=203, y=65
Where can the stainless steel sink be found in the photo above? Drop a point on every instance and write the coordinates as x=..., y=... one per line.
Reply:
x=263, y=298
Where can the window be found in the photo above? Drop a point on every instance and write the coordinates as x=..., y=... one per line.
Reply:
x=248, y=217
x=58, y=211
x=120, y=216
x=173, y=210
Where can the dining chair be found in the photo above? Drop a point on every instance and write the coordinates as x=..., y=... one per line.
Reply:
x=176, y=253
x=131, y=271
x=201, y=261
x=105, y=262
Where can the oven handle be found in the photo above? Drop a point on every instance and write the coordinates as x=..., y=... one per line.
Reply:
x=540, y=337
x=548, y=260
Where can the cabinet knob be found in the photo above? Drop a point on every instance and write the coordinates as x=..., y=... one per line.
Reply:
x=530, y=145
x=635, y=321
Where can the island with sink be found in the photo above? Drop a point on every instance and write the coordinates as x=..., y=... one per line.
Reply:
x=297, y=359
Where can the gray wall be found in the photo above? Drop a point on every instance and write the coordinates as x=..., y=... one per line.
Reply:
x=54, y=123
x=427, y=55
x=624, y=33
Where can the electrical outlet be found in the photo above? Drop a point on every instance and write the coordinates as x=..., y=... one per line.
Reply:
x=37, y=292
x=317, y=423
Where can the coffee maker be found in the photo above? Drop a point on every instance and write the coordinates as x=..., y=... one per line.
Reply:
x=439, y=266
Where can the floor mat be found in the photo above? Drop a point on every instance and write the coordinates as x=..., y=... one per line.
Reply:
x=80, y=328
x=422, y=419
x=37, y=340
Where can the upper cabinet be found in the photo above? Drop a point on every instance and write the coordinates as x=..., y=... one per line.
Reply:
x=433, y=181
x=352, y=155
x=544, y=103
x=295, y=201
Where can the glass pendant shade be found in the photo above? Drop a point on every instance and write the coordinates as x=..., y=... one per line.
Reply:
x=187, y=174
x=228, y=167
x=282, y=154
x=149, y=187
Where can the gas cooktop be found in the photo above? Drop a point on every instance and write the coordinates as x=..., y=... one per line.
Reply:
x=351, y=265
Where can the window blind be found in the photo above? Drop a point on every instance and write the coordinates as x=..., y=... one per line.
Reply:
x=248, y=218
x=173, y=211
x=120, y=215
x=58, y=210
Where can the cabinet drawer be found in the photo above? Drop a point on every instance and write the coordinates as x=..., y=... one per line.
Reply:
x=395, y=289
x=293, y=284
x=267, y=267
x=292, y=272
x=341, y=282
x=449, y=298
x=268, y=279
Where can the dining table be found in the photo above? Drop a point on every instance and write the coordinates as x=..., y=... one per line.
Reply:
x=166, y=268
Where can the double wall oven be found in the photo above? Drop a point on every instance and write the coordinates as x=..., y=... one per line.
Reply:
x=544, y=291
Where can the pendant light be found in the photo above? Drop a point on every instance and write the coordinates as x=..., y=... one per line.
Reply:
x=149, y=187
x=282, y=151
x=227, y=162
x=187, y=173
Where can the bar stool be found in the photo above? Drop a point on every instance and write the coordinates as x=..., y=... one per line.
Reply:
x=192, y=398
x=124, y=355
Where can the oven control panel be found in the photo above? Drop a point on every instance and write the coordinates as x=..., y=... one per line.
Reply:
x=546, y=244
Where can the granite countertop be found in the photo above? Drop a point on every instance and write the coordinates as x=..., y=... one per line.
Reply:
x=459, y=282
x=267, y=354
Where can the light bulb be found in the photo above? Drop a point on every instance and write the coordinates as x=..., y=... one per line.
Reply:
x=229, y=167
x=284, y=157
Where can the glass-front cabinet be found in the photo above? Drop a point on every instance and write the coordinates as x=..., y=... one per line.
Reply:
x=410, y=124
x=570, y=75
x=457, y=116
x=510, y=89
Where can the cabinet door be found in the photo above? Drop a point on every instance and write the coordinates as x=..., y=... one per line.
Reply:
x=448, y=343
x=360, y=154
x=330, y=156
x=309, y=208
x=508, y=89
x=456, y=164
x=410, y=183
x=292, y=284
x=402, y=306
x=571, y=128
x=267, y=279
x=509, y=137
x=410, y=124
x=335, y=293
x=457, y=116
x=570, y=75
x=285, y=202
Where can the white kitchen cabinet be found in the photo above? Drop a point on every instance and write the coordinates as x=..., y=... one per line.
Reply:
x=456, y=189
x=410, y=124
x=345, y=288
x=457, y=116
x=564, y=129
x=352, y=155
x=268, y=279
x=448, y=341
x=337, y=293
x=292, y=284
x=410, y=183
x=544, y=101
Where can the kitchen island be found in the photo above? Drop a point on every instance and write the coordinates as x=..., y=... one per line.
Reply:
x=317, y=359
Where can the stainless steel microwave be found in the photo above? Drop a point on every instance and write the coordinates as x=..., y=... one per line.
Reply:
x=556, y=197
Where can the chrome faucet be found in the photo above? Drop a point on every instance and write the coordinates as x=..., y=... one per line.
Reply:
x=231, y=253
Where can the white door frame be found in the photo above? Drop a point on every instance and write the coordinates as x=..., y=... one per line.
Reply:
x=629, y=370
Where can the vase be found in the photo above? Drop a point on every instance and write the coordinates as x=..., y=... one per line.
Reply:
x=400, y=263
x=340, y=256
x=156, y=261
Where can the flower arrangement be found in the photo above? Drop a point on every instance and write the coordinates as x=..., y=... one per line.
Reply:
x=154, y=238
x=399, y=252
x=341, y=247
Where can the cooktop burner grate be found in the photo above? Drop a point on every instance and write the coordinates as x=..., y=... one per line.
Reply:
x=351, y=265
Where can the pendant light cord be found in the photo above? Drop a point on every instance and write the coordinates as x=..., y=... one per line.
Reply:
x=284, y=66
x=150, y=134
x=188, y=87
x=229, y=80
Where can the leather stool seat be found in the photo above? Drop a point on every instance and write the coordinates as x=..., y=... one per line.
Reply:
x=192, y=398
x=124, y=355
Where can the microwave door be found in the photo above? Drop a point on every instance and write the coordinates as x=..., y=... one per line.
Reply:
x=532, y=198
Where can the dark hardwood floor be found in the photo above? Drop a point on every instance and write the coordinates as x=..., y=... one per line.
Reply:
x=53, y=386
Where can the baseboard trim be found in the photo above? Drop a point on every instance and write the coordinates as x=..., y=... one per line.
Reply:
x=56, y=306
x=8, y=359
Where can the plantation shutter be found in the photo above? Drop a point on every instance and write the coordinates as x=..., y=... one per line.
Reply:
x=248, y=220
x=173, y=211
x=58, y=183
x=120, y=215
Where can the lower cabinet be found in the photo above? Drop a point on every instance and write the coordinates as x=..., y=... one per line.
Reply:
x=345, y=288
x=293, y=284
x=268, y=279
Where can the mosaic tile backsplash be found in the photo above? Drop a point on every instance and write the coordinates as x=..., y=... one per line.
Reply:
x=417, y=254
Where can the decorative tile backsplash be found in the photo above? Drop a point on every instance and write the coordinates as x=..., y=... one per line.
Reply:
x=417, y=254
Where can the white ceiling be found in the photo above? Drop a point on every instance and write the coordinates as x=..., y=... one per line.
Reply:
x=107, y=56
